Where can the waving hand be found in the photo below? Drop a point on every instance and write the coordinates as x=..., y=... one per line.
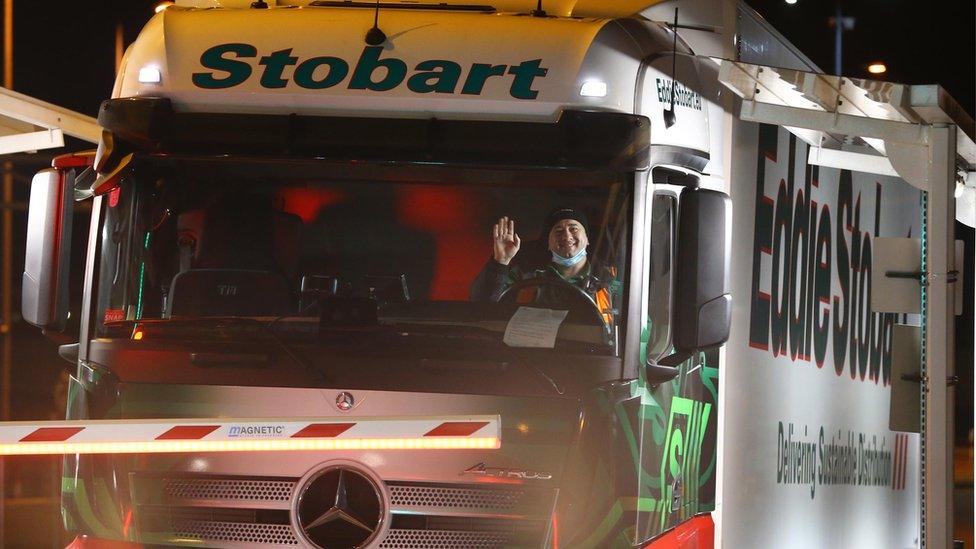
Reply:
x=505, y=240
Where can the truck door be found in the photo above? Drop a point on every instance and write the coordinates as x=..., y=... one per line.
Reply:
x=678, y=410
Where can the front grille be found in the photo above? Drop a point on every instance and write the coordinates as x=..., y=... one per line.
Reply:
x=227, y=489
x=228, y=512
x=468, y=498
x=443, y=539
x=238, y=532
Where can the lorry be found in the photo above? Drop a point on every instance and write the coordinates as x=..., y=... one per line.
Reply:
x=291, y=199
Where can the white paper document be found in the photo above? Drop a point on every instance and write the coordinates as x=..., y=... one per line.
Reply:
x=533, y=327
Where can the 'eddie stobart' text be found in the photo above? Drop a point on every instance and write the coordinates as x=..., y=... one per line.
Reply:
x=818, y=304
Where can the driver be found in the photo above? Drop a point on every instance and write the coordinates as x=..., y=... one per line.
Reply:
x=566, y=229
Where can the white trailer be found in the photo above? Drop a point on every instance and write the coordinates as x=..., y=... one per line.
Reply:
x=821, y=403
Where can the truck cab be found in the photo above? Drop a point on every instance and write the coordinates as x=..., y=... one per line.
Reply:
x=287, y=219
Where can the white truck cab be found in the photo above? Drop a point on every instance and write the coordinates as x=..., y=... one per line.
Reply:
x=288, y=216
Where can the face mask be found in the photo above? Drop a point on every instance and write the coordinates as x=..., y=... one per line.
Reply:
x=568, y=261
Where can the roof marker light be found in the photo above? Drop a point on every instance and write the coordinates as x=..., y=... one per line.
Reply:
x=150, y=75
x=594, y=88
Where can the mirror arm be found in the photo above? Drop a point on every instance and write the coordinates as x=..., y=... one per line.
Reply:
x=658, y=373
x=69, y=352
x=675, y=359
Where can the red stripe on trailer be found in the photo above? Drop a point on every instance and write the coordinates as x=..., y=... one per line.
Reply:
x=896, y=480
x=904, y=461
x=188, y=432
x=456, y=429
x=52, y=434
x=323, y=430
x=901, y=460
x=894, y=465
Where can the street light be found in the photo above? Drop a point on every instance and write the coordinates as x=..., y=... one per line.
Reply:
x=877, y=68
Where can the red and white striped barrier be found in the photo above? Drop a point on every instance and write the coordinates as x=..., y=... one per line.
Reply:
x=249, y=435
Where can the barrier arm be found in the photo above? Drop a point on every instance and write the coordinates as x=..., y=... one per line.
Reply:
x=144, y=436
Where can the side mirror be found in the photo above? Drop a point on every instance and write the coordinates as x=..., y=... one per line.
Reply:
x=703, y=298
x=44, y=297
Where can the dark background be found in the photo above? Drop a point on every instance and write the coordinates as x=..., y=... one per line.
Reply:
x=928, y=42
x=64, y=53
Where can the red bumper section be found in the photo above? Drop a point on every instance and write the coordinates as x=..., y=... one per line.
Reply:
x=85, y=542
x=697, y=533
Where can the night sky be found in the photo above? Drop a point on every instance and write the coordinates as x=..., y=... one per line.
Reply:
x=930, y=42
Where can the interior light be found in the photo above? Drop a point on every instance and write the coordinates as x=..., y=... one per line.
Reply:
x=877, y=68
x=150, y=75
x=960, y=188
x=162, y=6
x=594, y=88
x=791, y=2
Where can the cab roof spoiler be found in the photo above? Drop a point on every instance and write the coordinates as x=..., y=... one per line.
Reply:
x=577, y=140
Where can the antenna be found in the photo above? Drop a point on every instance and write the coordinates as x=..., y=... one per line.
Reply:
x=374, y=36
x=538, y=11
x=669, y=115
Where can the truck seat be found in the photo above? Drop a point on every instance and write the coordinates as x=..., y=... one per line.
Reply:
x=229, y=292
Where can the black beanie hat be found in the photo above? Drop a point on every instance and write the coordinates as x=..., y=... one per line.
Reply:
x=560, y=214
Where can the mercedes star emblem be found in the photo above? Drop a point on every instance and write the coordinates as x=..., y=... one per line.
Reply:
x=345, y=401
x=339, y=507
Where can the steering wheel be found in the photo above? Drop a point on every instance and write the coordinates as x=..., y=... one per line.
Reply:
x=577, y=296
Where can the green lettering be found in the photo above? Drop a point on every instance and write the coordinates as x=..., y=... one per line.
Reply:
x=525, y=74
x=274, y=65
x=237, y=71
x=441, y=81
x=480, y=72
x=369, y=61
x=305, y=73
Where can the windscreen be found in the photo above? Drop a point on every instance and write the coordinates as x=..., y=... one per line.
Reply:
x=303, y=250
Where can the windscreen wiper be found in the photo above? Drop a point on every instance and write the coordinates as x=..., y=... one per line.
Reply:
x=269, y=329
